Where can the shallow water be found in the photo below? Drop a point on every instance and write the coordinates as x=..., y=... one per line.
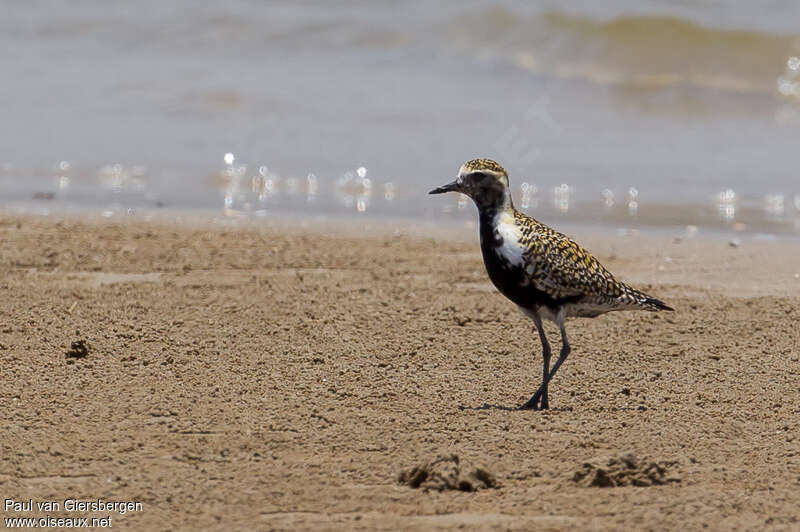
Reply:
x=629, y=114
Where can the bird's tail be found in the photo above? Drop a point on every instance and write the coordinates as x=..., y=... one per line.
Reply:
x=643, y=301
x=654, y=304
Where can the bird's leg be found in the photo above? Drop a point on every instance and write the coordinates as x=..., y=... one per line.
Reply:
x=539, y=400
x=541, y=393
x=545, y=403
x=562, y=356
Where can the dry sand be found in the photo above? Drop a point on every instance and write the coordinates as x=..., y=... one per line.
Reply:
x=253, y=379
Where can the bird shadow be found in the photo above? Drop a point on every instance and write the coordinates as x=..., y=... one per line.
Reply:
x=504, y=408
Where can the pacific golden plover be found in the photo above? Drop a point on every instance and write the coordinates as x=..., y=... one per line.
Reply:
x=545, y=273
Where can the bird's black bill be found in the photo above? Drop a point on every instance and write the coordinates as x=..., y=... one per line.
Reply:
x=449, y=187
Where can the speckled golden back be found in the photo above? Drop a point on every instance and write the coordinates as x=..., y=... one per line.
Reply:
x=562, y=268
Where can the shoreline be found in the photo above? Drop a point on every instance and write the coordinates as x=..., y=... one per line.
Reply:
x=439, y=226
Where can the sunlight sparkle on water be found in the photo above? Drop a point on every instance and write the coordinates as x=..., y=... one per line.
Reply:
x=726, y=205
x=561, y=197
x=270, y=187
x=633, y=203
x=312, y=187
x=355, y=188
x=528, y=191
x=608, y=197
x=118, y=177
x=774, y=205
x=388, y=191
x=229, y=158
x=788, y=83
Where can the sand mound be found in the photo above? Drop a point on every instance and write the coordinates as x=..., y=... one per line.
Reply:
x=78, y=349
x=447, y=473
x=624, y=470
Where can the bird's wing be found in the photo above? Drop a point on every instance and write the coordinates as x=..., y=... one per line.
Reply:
x=566, y=269
x=561, y=268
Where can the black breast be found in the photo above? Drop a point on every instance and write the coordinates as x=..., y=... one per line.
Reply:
x=510, y=280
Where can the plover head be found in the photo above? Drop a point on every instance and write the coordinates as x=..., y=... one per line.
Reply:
x=483, y=180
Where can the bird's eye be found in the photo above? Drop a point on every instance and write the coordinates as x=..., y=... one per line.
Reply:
x=478, y=176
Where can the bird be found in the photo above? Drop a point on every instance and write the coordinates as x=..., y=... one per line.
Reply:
x=544, y=272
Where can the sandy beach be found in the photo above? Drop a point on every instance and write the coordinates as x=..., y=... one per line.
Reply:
x=261, y=378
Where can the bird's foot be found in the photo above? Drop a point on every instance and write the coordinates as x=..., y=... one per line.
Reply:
x=539, y=401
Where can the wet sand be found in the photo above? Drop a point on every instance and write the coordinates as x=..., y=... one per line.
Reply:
x=253, y=378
